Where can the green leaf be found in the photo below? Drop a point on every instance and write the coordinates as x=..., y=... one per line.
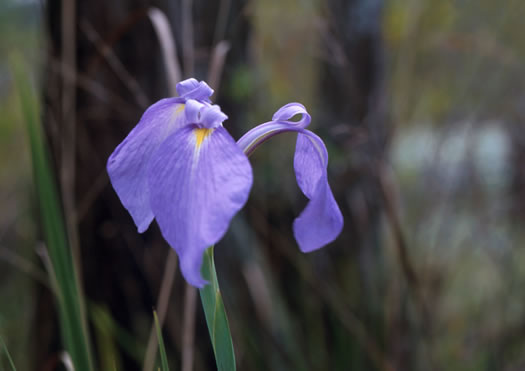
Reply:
x=162, y=349
x=113, y=334
x=9, y=359
x=63, y=271
x=216, y=318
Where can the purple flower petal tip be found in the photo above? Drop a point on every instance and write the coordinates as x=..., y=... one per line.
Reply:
x=321, y=221
x=193, y=89
x=290, y=110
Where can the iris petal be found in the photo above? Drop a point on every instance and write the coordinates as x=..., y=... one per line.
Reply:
x=281, y=123
x=321, y=221
x=212, y=116
x=193, y=89
x=199, y=178
x=288, y=111
x=193, y=109
x=127, y=165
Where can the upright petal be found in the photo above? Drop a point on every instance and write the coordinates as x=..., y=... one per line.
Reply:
x=193, y=89
x=199, y=178
x=321, y=221
x=127, y=165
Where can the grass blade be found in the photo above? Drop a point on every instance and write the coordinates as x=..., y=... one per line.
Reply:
x=9, y=359
x=162, y=349
x=216, y=318
x=70, y=304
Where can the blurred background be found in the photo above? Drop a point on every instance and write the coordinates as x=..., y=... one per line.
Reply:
x=421, y=105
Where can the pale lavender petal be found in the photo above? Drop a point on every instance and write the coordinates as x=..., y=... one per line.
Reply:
x=204, y=114
x=260, y=134
x=193, y=89
x=321, y=221
x=127, y=165
x=193, y=109
x=199, y=178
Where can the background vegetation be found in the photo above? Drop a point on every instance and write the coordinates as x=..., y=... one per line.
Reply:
x=421, y=105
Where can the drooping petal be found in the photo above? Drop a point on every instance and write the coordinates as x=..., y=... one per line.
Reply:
x=193, y=89
x=127, y=165
x=321, y=221
x=199, y=178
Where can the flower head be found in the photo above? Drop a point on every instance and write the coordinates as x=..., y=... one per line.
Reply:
x=180, y=166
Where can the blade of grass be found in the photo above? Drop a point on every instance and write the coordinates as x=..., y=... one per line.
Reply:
x=162, y=349
x=216, y=318
x=70, y=304
x=9, y=359
x=106, y=326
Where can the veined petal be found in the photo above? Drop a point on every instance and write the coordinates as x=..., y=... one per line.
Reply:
x=199, y=178
x=127, y=165
x=321, y=221
x=193, y=89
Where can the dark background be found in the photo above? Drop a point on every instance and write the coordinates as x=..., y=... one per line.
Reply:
x=421, y=106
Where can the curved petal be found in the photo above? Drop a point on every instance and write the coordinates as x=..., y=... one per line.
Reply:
x=321, y=221
x=204, y=114
x=199, y=179
x=127, y=165
x=193, y=89
x=212, y=117
x=286, y=112
x=193, y=110
x=281, y=123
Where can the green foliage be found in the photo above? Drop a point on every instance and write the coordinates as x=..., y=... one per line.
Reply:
x=162, y=349
x=110, y=336
x=63, y=271
x=216, y=318
x=8, y=356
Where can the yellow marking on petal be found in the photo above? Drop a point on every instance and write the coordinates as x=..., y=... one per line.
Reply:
x=176, y=112
x=200, y=135
x=180, y=108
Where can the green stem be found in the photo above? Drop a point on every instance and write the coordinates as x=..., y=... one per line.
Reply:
x=216, y=318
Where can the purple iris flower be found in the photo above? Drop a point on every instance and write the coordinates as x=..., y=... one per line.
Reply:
x=180, y=166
